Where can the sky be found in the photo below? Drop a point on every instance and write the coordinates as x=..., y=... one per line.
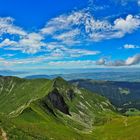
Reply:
x=60, y=34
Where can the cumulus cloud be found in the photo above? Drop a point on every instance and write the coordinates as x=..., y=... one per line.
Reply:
x=64, y=22
x=30, y=43
x=82, y=24
x=134, y=60
x=78, y=27
x=55, y=52
x=61, y=35
x=7, y=27
x=101, y=61
x=7, y=42
x=100, y=30
x=25, y=42
x=53, y=49
x=127, y=25
x=33, y=42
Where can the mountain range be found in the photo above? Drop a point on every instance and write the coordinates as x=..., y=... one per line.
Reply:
x=131, y=76
x=46, y=109
x=123, y=95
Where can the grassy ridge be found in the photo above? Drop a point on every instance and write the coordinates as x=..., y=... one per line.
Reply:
x=33, y=110
x=16, y=94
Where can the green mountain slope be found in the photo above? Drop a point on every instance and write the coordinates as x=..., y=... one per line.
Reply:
x=43, y=109
x=126, y=128
x=16, y=94
x=124, y=95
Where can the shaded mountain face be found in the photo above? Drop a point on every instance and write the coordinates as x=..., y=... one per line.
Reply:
x=57, y=101
x=124, y=95
x=30, y=108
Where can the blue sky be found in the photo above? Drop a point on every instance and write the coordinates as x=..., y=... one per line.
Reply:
x=41, y=34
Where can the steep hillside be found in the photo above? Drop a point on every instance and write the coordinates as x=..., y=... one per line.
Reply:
x=49, y=104
x=16, y=94
x=124, y=95
x=42, y=109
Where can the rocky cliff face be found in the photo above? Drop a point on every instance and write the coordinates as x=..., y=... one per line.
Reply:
x=57, y=101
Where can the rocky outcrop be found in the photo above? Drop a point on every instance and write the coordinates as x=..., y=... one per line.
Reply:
x=56, y=100
x=70, y=94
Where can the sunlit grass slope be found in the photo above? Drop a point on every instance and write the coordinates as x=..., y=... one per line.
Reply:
x=54, y=109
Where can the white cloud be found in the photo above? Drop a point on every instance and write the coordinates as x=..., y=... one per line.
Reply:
x=70, y=52
x=64, y=22
x=30, y=60
x=89, y=28
x=78, y=27
x=134, y=60
x=68, y=37
x=61, y=35
x=101, y=61
x=54, y=52
x=7, y=27
x=30, y=43
x=7, y=42
x=127, y=25
x=33, y=42
x=101, y=30
x=131, y=46
x=72, y=64
x=82, y=52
